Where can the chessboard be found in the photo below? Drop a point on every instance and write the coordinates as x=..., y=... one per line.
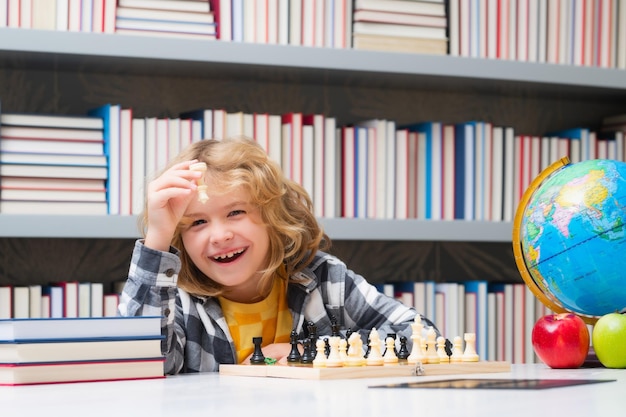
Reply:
x=299, y=371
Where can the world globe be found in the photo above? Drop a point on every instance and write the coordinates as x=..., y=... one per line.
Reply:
x=569, y=237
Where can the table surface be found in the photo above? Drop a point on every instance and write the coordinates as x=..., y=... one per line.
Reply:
x=211, y=394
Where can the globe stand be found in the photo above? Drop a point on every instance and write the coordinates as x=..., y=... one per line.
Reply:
x=538, y=289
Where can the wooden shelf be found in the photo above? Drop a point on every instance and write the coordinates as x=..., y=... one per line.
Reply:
x=126, y=227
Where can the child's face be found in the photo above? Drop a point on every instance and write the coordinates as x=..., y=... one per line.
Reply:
x=226, y=240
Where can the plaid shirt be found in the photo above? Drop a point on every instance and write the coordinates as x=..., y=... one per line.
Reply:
x=197, y=338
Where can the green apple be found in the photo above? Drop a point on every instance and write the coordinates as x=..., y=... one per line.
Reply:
x=609, y=340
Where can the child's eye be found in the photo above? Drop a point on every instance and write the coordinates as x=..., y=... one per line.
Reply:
x=197, y=222
x=235, y=213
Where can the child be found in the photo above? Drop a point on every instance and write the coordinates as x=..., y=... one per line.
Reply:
x=245, y=263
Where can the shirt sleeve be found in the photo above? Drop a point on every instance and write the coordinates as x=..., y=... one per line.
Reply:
x=150, y=290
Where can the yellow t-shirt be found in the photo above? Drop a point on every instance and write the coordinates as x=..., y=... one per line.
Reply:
x=269, y=318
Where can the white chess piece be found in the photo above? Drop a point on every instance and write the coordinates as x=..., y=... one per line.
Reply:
x=441, y=350
x=469, y=354
x=355, y=351
x=390, y=357
x=431, y=349
x=375, y=357
x=320, y=356
x=457, y=350
x=203, y=196
x=417, y=354
x=334, y=357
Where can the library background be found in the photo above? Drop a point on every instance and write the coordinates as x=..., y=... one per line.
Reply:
x=415, y=125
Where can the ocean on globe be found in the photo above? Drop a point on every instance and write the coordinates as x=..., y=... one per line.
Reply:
x=572, y=236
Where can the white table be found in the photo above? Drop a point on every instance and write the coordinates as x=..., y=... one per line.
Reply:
x=211, y=394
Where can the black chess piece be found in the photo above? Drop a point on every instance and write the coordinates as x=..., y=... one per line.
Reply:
x=306, y=357
x=348, y=334
x=403, y=353
x=257, y=357
x=334, y=327
x=326, y=346
x=369, y=348
x=294, y=355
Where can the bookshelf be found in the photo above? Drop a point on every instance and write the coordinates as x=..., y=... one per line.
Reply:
x=71, y=72
x=125, y=227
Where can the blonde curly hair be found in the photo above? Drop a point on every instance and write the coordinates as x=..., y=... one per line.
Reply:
x=286, y=209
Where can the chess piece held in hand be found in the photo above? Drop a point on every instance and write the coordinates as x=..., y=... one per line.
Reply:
x=203, y=196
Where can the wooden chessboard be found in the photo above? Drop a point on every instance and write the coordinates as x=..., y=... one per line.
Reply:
x=351, y=372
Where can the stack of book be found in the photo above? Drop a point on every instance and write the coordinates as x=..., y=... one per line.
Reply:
x=182, y=18
x=401, y=26
x=44, y=351
x=52, y=164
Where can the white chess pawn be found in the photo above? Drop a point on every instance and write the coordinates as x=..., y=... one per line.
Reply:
x=431, y=346
x=334, y=357
x=203, y=196
x=320, y=356
x=457, y=350
x=441, y=350
x=390, y=357
x=470, y=355
x=375, y=357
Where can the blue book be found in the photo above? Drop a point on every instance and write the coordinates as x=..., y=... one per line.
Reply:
x=110, y=114
x=464, y=173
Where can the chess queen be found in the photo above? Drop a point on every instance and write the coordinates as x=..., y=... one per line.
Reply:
x=245, y=260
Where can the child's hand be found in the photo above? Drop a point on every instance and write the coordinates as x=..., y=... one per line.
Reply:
x=167, y=199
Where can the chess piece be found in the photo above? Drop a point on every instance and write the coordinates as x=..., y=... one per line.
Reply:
x=294, y=355
x=203, y=196
x=355, y=351
x=393, y=336
x=375, y=358
x=326, y=347
x=307, y=357
x=457, y=350
x=403, y=353
x=334, y=357
x=390, y=357
x=469, y=354
x=320, y=357
x=431, y=346
x=441, y=350
x=257, y=357
x=417, y=352
x=343, y=350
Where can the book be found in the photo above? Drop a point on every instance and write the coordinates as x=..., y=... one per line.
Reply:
x=164, y=15
x=399, y=44
x=16, y=330
x=399, y=18
x=56, y=133
x=52, y=146
x=170, y=5
x=92, y=349
x=50, y=120
x=88, y=371
x=61, y=184
x=29, y=194
x=110, y=114
x=401, y=6
x=406, y=31
x=52, y=159
x=53, y=171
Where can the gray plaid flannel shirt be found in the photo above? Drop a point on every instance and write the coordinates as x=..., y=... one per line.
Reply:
x=197, y=338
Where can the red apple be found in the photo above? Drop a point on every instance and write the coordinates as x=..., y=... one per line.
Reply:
x=561, y=340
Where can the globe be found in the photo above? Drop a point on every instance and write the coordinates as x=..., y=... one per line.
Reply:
x=569, y=237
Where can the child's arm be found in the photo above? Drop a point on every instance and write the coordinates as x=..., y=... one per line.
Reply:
x=150, y=290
